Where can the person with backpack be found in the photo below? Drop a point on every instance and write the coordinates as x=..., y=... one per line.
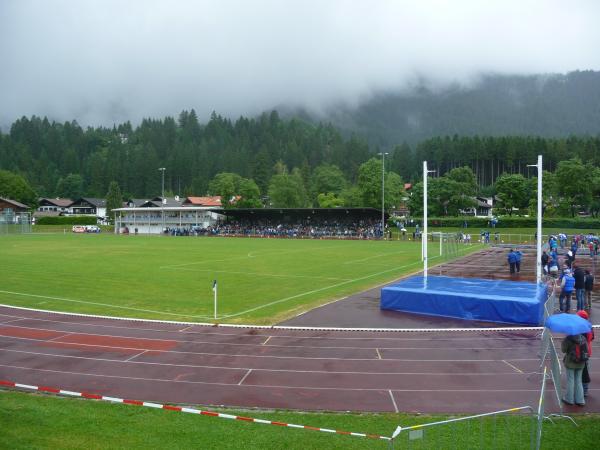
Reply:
x=575, y=349
x=585, y=376
x=567, y=286
x=589, y=287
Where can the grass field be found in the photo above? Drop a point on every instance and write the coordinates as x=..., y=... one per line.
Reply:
x=260, y=281
x=38, y=421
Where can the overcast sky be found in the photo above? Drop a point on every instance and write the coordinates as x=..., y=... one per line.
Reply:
x=101, y=62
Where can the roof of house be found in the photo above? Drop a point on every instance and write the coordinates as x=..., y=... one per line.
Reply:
x=14, y=202
x=202, y=201
x=61, y=202
x=135, y=202
x=157, y=202
x=97, y=202
x=407, y=186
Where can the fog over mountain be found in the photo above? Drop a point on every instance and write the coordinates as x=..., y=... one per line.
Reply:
x=106, y=61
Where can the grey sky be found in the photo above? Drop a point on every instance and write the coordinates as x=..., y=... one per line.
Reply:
x=108, y=61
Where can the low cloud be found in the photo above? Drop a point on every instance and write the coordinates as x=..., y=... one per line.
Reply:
x=102, y=62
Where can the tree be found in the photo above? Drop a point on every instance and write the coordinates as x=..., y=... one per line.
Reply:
x=14, y=187
x=70, y=187
x=329, y=200
x=114, y=199
x=226, y=185
x=249, y=195
x=574, y=180
x=512, y=192
x=328, y=178
x=287, y=191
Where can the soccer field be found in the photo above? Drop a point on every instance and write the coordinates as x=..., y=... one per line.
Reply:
x=260, y=281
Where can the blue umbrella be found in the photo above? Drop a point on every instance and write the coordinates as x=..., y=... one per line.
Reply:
x=568, y=324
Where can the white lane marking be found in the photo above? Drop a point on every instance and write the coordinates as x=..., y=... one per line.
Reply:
x=267, y=340
x=510, y=365
x=134, y=356
x=244, y=377
x=54, y=338
x=183, y=341
x=273, y=357
x=13, y=320
x=393, y=400
x=71, y=300
x=378, y=354
x=269, y=386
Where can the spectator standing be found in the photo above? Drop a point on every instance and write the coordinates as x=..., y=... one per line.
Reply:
x=585, y=376
x=545, y=259
x=579, y=275
x=512, y=261
x=574, y=393
x=589, y=287
x=567, y=285
x=518, y=257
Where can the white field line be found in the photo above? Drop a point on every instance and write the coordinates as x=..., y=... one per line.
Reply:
x=244, y=377
x=379, y=255
x=314, y=291
x=71, y=300
x=267, y=386
x=283, y=336
x=249, y=255
x=256, y=369
x=257, y=274
x=208, y=316
x=513, y=367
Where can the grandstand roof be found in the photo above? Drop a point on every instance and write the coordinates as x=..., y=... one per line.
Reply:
x=288, y=214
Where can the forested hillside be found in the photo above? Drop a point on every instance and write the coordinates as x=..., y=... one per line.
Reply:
x=63, y=159
x=557, y=105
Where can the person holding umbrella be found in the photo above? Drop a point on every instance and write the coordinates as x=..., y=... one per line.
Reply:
x=575, y=348
x=585, y=376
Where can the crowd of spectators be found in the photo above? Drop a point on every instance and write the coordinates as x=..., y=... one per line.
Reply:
x=311, y=229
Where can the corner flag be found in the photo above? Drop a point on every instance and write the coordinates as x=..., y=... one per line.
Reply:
x=214, y=288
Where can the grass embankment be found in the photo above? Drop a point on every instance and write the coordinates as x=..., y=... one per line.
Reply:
x=39, y=421
x=260, y=281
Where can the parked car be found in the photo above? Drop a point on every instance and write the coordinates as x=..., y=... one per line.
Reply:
x=92, y=229
x=78, y=229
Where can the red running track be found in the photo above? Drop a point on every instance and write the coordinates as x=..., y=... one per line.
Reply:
x=416, y=371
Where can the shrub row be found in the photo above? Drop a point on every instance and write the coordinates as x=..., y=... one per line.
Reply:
x=66, y=220
x=514, y=222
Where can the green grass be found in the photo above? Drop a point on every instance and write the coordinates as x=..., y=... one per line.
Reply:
x=260, y=281
x=39, y=421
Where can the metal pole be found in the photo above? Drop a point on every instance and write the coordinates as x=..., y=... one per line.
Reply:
x=424, y=238
x=539, y=221
x=383, y=193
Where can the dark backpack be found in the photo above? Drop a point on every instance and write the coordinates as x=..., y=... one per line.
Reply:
x=579, y=352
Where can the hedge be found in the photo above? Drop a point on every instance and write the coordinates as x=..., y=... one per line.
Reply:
x=514, y=222
x=67, y=220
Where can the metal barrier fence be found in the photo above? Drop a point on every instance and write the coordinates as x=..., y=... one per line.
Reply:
x=509, y=428
x=15, y=223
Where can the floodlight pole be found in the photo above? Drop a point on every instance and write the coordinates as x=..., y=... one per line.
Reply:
x=162, y=198
x=383, y=192
x=538, y=264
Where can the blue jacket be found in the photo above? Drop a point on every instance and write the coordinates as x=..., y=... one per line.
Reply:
x=569, y=283
x=512, y=257
x=519, y=255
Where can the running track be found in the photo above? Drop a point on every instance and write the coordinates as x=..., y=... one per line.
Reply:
x=416, y=371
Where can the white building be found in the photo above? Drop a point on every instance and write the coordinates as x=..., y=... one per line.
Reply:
x=158, y=215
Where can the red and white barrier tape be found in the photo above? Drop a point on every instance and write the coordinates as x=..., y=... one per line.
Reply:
x=181, y=409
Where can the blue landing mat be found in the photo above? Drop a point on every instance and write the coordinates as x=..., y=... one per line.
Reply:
x=515, y=302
